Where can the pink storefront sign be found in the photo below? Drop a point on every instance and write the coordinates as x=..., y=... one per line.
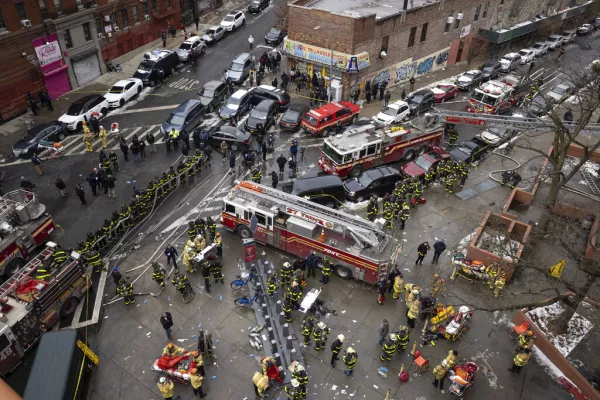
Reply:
x=54, y=69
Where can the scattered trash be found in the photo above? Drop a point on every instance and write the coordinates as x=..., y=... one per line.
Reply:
x=181, y=340
x=354, y=321
x=376, y=387
x=213, y=377
x=169, y=298
x=199, y=325
x=193, y=336
x=140, y=327
x=145, y=301
x=252, y=355
x=334, y=387
x=220, y=297
x=343, y=311
x=129, y=182
x=217, y=340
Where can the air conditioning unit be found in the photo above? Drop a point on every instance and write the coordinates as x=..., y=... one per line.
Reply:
x=459, y=16
x=383, y=54
x=107, y=18
x=450, y=20
x=147, y=17
x=25, y=23
x=109, y=34
x=116, y=28
x=100, y=35
x=126, y=29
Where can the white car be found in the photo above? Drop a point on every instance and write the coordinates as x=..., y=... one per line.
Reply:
x=233, y=20
x=527, y=56
x=81, y=111
x=554, y=41
x=541, y=49
x=394, y=113
x=193, y=43
x=568, y=36
x=584, y=30
x=123, y=91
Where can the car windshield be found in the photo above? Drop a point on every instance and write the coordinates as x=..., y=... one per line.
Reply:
x=116, y=89
x=233, y=104
x=560, y=90
x=204, y=92
x=497, y=131
x=524, y=53
x=228, y=18
x=488, y=68
x=477, y=95
x=470, y=75
x=211, y=32
x=309, y=119
x=236, y=67
x=553, y=39
x=391, y=111
x=423, y=163
x=332, y=154
x=365, y=180
x=274, y=31
x=464, y=149
x=538, y=46
x=185, y=46
x=145, y=67
x=291, y=115
x=175, y=119
x=75, y=109
x=416, y=98
x=489, y=100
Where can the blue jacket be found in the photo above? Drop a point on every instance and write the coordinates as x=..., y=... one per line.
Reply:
x=170, y=252
x=439, y=246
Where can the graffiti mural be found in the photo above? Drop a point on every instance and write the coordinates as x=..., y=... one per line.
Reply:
x=442, y=57
x=425, y=65
x=404, y=72
x=383, y=77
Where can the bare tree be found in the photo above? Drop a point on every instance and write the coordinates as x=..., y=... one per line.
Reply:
x=281, y=16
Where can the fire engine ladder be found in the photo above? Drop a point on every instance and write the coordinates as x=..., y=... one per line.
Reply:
x=590, y=182
x=70, y=272
x=507, y=121
x=11, y=284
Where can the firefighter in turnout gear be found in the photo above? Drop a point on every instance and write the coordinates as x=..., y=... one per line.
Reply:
x=349, y=360
x=398, y=286
x=287, y=307
x=181, y=172
x=107, y=230
x=388, y=214
x=452, y=133
x=295, y=391
x=212, y=228
x=188, y=260
x=255, y=175
x=217, y=270
x=499, y=284
x=272, y=284
x=59, y=256
x=326, y=270
x=389, y=348
x=171, y=351
x=403, y=339
x=295, y=292
x=372, y=208
x=300, y=374
x=308, y=325
x=219, y=244
x=158, y=274
x=95, y=260
x=463, y=173
x=336, y=347
x=320, y=334
x=199, y=242
x=191, y=230
x=441, y=170
x=286, y=273
x=492, y=272
x=450, y=180
x=404, y=214
x=180, y=282
x=526, y=341
x=198, y=156
x=520, y=361
x=200, y=226
x=429, y=176
x=126, y=291
x=437, y=285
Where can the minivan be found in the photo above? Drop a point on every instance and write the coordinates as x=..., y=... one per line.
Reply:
x=510, y=61
x=148, y=70
x=186, y=117
x=239, y=69
x=327, y=190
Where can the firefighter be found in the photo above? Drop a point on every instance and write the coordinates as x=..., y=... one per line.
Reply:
x=349, y=359
x=261, y=384
x=107, y=230
x=266, y=363
x=403, y=339
x=372, y=208
x=388, y=214
x=191, y=230
x=188, y=260
x=126, y=216
x=441, y=170
x=463, y=173
x=171, y=351
x=196, y=381
x=491, y=272
x=437, y=285
x=212, y=228
x=450, y=181
x=189, y=164
x=95, y=260
x=326, y=270
x=520, y=360
x=451, y=358
x=286, y=273
x=430, y=176
x=404, y=214
x=298, y=277
x=499, y=284
x=255, y=175
x=166, y=388
x=200, y=226
x=296, y=293
x=126, y=291
x=308, y=326
x=295, y=391
x=173, y=177
x=88, y=139
x=287, y=307
x=398, y=286
x=198, y=358
x=44, y=270
x=158, y=274
x=389, y=348
x=219, y=243
x=320, y=334
x=180, y=282
x=217, y=270
x=199, y=242
x=336, y=347
x=181, y=172
x=525, y=341
x=300, y=374
x=59, y=256
x=418, y=192
x=452, y=134
x=413, y=312
x=198, y=156
x=90, y=240
x=272, y=284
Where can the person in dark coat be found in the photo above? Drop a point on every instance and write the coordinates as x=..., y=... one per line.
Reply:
x=60, y=185
x=368, y=96
x=31, y=101
x=438, y=248
x=92, y=182
x=231, y=162
x=166, y=320
x=422, y=252
x=124, y=149
x=150, y=139
x=80, y=193
x=206, y=275
x=264, y=150
x=381, y=91
x=48, y=101
x=135, y=150
x=285, y=79
x=403, y=95
x=94, y=124
x=411, y=81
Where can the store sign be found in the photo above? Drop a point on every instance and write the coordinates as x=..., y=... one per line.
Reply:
x=348, y=62
x=465, y=30
x=48, y=53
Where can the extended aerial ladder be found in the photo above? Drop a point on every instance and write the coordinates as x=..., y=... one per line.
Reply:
x=10, y=285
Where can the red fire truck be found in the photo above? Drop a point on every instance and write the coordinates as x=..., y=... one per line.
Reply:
x=493, y=97
x=358, y=248
x=24, y=225
x=364, y=147
x=30, y=307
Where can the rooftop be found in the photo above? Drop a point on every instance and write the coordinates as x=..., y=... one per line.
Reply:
x=363, y=8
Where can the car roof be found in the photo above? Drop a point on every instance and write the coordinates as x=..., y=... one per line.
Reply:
x=265, y=104
x=397, y=104
x=420, y=92
x=528, y=50
x=562, y=85
x=491, y=64
x=555, y=36
x=298, y=107
x=229, y=129
x=186, y=106
x=540, y=43
x=239, y=94
x=212, y=84
x=510, y=55
x=192, y=39
x=215, y=27
x=234, y=12
x=86, y=99
x=268, y=88
x=40, y=127
x=241, y=57
x=124, y=82
x=301, y=185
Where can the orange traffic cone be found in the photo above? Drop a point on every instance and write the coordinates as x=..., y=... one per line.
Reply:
x=322, y=236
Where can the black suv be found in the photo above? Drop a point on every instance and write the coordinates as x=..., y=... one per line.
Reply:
x=327, y=190
x=212, y=94
x=380, y=180
x=491, y=70
x=263, y=114
x=266, y=92
x=257, y=6
x=420, y=101
x=236, y=105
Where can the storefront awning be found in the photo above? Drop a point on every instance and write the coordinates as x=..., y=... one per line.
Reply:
x=351, y=63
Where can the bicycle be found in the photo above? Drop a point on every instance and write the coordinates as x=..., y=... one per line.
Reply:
x=246, y=302
x=240, y=283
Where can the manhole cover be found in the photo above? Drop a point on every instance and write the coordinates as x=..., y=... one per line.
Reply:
x=466, y=194
x=486, y=185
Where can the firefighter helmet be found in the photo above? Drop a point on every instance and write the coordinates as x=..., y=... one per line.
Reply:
x=295, y=383
x=341, y=338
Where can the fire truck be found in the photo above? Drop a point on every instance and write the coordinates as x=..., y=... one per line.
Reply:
x=358, y=248
x=24, y=225
x=366, y=146
x=30, y=307
x=497, y=96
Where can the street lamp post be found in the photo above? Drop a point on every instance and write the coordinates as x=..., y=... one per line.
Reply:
x=332, y=28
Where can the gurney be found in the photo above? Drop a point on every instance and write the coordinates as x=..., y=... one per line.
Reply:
x=309, y=300
x=208, y=254
x=178, y=368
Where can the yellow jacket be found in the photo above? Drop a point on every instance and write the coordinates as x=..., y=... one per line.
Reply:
x=177, y=351
x=398, y=284
x=261, y=382
x=196, y=381
x=521, y=359
x=200, y=244
x=102, y=133
x=188, y=257
x=87, y=137
x=439, y=372
x=166, y=389
x=264, y=363
x=199, y=360
x=413, y=309
x=451, y=359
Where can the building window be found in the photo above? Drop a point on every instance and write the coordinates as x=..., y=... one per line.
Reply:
x=477, y=11
x=43, y=9
x=411, y=38
x=2, y=23
x=21, y=11
x=169, y=3
x=424, y=32
x=125, y=18
x=485, y=9
x=87, y=33
x=113, y=19
x=456, y=22
x=136, y=17
x=384, y=43
x=154, y=5
x=67, y=38
x=145, y=5
x=58, y=7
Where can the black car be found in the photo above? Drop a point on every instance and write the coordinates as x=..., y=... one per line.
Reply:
x=327, y=190
x=212, y=94
x=380, y=180
x=257, y=6
x=236, y=105
x=420, y=101
x=469, y=151
x=469, y=80
x=263, y=114
x=491, y=70
x=290, y=121
x=235, y=137
x=274, y=36
x=266, y=92
x=44, y=134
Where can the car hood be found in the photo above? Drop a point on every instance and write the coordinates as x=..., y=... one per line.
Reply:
x=113, y=97
x=507, y=62
x=464, y=79
x=489, y=137
x=234, y=74
x=382, y=117
x=67, y=119
x=225, y=24
x=459, y=155
x=271, y=36
x=226, y=112
x=411, y=169
x=353, y=185
x=206, y=100
x=141, y=74
x=166, y=127
x=206, y=38
x=182, y=52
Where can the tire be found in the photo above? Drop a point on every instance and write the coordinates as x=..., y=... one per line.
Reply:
x=61, y=137
x=244, y=232
x=422, y=150
x=326, y=133
x=68, y=307
x=139, y=90
x=104, y=111
x=234, y=147
x=203, y=51
x=356, y=170
x=152, y=83
x=209, y=109
x=342, y=272
x=79, y=126
x=239, y=303
x=409, y=156
x=122, y=103
x=244, y=22
x=12, y=268
x=354, y=119
x=443, y=100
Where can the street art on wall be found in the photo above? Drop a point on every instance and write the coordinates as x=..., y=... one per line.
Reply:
x=402, y=71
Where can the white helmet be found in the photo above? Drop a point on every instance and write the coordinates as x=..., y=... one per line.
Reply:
x=415, y=292
x=341, y=337
x=199, y=237
x=321, y=324
x=295, y=383
x=393, y=337
x=299, y=368
x=351, y=350
x=286, y=264
x=162, y=380
x=463, y=309
x=444, y=363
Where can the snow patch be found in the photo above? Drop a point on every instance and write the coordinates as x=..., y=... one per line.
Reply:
x=503, y=319
x=550, y=368
x=499, y=245
x=182, y=221
x=349, y=205
x=464, y=242
x=577, y=328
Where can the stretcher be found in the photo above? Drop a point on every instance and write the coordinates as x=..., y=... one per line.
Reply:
x=177, y=368
x=208, y=253
x=309, y=300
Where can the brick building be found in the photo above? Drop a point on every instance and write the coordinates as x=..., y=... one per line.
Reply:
x=377, y=41
x=59, y=45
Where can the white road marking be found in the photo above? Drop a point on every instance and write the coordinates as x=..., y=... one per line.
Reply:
x=150, y=109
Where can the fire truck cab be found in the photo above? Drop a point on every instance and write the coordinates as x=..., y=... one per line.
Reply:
x=324, y=120
x=494, y=97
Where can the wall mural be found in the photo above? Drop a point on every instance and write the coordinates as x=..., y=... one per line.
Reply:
x=402, y=71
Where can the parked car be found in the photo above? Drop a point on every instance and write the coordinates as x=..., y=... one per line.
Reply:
x=568, y=36
x=123, y=91
x=235, y=137
x=469, y=151
x=560, y=92
x=257, y=6
x=187, y=116
x=538, y=106
x=491, y=70
x=510, y=62
x=445, y=91
x=213, y=34
x=233, y=20
x=595, y=23
x=81, y=110
x=380, y=180
x=496, y=135
x=212, y=94
x=325, y=120
x=327, y=190
x=420, y=101
x=236, y=106
x=264, y=114
x=268, y=92
x=292, y=117
x=540, y=48
x=584, y=30
x=274, y=36
x=239, y=69
x=527, y=56
x=45, y=134
x=469, y=80
x=185, y=48
x=555, y=41
x=419, y=167
x=149, y=69
x=394, y=113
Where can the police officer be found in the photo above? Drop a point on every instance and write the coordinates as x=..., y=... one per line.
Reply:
x=281, y=161
x=274, y=179
x=336, y=347
x=171, y=254
x=158, y=274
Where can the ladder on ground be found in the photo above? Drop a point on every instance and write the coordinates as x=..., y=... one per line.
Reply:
x=508, y=121
x=13, y=282
x=590, y=182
